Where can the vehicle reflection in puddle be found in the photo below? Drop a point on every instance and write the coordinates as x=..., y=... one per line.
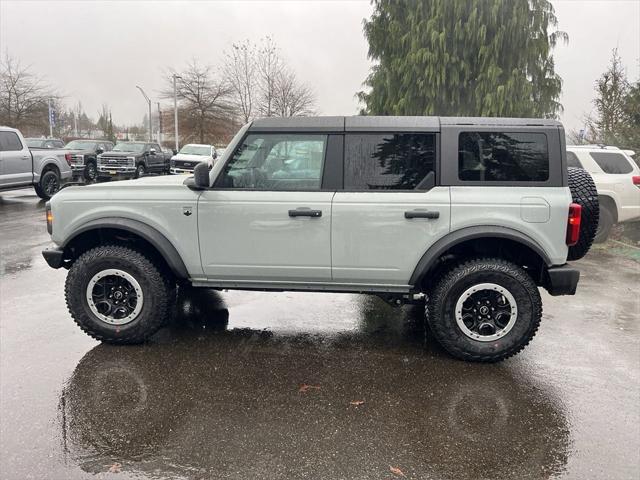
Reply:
x=205, y=400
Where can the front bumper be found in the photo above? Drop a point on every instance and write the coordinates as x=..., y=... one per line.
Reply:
x=181, y=171
x=54, y=257
x=562, y=280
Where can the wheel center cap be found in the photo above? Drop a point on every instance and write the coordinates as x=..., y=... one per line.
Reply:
x=484, y=310
x=117, y=295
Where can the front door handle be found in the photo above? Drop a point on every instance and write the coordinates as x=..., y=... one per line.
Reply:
x=305, y=212
x=421, y=214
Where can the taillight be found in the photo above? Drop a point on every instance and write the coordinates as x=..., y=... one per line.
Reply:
x=67, y=157
x=636, y=180
x=49, y=218
x=573, y=224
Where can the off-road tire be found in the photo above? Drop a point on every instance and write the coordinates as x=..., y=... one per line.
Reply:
x=158, y=289
x=42, y=188
x=585, y=194
x=442, y=300
x=605, y=224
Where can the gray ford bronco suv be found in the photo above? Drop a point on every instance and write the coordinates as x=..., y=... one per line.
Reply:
x=469, y=215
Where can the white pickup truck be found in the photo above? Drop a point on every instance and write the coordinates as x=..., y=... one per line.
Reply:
x=46, y=170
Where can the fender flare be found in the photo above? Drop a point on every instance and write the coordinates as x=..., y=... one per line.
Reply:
x=431, y=256
x=148, y=233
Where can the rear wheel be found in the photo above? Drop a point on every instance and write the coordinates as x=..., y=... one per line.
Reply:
x=117, y=295
x=484, y=310
x=49, y=184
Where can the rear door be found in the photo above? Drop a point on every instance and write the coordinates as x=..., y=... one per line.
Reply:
x=390, y=211
x=268, y=217
x=15, y=161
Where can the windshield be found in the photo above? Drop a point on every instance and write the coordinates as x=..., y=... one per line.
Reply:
x=81, y=145
x=196, y=150
x=34, y=142
x=129, y=147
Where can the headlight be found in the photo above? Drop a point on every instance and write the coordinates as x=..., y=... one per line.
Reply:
x=132, y=160
x=173, y=162
x=80, y=159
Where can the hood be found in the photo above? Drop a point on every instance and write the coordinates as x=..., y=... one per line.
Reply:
x=81, y=152
x=159, y=181
x=111, y=153
x=191, y=158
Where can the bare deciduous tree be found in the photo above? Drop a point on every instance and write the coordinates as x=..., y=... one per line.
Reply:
x=204, y=99
x=292, y=98
x=263, y=84
x=240, y=71
x=23, y=97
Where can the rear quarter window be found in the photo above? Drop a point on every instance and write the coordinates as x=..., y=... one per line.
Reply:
x=503, y=157
x=611, y=162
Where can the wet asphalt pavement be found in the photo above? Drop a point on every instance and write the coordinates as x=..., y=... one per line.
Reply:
x=304, y=385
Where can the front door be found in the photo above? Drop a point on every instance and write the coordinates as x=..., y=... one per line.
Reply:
x=267, y=219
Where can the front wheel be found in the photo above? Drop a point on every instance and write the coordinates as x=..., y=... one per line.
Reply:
x=140, y=171
x=90, y=172
x=118, y=295
x=49, y=185
x=484, y=310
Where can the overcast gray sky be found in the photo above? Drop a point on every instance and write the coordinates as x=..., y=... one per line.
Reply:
x=97, y=51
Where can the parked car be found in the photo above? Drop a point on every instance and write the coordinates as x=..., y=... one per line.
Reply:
x=132, y=160
x=44, y=170
x=471, y=214
x=617, y=178
x=44, y=143
x=84, y=157
x=190, y=155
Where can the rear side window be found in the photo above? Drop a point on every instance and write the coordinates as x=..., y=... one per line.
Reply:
x=611, y=162
x=572, y=160
x=10, y=142
x=400, y=161
x=503, y=157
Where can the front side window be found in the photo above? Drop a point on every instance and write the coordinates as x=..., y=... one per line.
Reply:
x=611, y=162
x=390, y=161
x=503, y=157
x=10, y=142
x=270, y=161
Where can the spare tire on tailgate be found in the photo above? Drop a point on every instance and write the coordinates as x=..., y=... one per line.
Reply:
x=584, y=193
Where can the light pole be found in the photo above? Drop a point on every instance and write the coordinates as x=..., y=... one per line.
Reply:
x=149, y=102
x=159, y=125
x=175, y=110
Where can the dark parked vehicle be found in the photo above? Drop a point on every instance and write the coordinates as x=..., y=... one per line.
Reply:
x=44, y=143
x=84, y=157
x=132, y=160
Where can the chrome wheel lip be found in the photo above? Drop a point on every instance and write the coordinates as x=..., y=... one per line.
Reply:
x=478, y=288
x=129, y=278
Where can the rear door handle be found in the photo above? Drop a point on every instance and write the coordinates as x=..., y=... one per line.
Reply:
x=305, y=212
x=421, y=214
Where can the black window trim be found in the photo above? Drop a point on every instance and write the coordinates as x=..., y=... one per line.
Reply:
x=612, y=152
x=436, y=163
x=322, y=188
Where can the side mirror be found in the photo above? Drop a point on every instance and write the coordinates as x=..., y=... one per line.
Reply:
x=152, y=151
x=99, y=151
x=175, y=152
x=201, y=175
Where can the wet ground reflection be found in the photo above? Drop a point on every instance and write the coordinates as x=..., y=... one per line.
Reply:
x=208, y=401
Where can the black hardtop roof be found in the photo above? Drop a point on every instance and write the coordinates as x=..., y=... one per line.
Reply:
x=387, y=123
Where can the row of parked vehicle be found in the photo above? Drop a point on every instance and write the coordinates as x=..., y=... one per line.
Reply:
x=96, y=160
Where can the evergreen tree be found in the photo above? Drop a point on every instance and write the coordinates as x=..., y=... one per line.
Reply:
x=462, y=57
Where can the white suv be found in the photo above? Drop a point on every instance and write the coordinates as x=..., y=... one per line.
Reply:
x=617, y=178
